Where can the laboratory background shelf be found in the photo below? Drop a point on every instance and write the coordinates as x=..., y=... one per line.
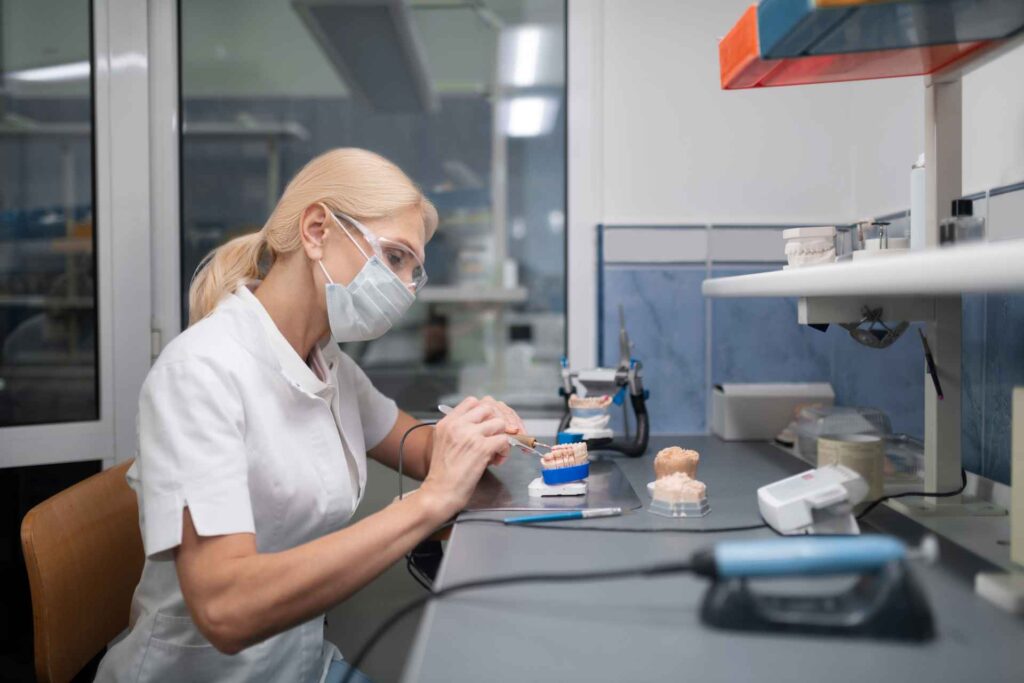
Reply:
x=988, y=267
x=445, y=294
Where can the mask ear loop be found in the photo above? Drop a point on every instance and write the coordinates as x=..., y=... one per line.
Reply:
x=352, y=239
x=326, y=274
x=342, y=227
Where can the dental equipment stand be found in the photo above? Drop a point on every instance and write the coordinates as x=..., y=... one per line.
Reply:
x=626, y=377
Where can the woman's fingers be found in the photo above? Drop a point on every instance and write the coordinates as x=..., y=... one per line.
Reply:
x=515, y=423
x=499, y=447
x=481, y=413
x=465, y=405
x=494, y=426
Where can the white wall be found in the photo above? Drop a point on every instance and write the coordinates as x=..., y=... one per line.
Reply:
x=678, y=149
x=993, y=124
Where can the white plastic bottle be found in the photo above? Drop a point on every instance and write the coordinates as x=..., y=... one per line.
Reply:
x=918, y=229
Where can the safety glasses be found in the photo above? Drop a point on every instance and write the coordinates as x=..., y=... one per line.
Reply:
x=399, y=258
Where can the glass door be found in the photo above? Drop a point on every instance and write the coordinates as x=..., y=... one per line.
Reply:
x=48, y=311
x=468, y=98
x=66, y=279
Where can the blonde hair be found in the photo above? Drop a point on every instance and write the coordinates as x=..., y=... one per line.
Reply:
x=347, y=180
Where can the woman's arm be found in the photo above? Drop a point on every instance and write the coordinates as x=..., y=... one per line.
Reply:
x=416, y=461
x=238, y=596
x=419, y=444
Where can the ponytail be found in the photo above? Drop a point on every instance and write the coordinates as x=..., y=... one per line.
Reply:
x=222, y=271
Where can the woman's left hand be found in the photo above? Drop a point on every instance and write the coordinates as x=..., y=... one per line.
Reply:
x=514, y=423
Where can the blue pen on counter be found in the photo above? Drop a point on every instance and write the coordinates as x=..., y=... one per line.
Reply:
x=568, y=514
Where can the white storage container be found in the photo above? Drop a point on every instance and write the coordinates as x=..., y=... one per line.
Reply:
x=757, y=412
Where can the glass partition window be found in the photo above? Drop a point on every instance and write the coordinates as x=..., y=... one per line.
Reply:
x=47, y=264
x=468, y=98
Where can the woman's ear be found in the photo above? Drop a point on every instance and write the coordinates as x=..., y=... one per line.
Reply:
x=313, y=230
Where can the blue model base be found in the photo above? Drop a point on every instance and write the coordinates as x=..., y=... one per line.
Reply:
x=564, y=475
x=568, y=437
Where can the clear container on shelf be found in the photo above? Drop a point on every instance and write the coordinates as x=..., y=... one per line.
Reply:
x=817, y=420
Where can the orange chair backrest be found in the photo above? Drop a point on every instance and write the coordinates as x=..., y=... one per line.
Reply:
x=83, y=551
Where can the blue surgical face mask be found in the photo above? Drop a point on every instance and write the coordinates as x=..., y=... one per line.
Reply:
x=368, y=306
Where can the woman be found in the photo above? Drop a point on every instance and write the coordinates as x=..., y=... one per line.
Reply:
x=254, y=430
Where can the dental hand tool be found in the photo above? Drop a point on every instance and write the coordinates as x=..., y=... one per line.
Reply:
x=525, y=442
x=930, y=360
x=568, y=514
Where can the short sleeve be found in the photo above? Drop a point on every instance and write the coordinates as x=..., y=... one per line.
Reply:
x=377, y=412
x=191, y=454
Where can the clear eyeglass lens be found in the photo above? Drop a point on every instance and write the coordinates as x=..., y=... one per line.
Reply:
x=403, y=263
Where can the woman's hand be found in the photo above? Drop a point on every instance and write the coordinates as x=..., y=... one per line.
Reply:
x=465, y=442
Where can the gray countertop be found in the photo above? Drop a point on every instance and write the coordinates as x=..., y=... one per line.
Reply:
x=649, y=629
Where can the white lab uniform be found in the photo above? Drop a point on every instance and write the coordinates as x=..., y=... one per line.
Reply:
x=235, y=426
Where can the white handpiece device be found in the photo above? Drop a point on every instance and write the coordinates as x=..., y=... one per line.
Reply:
x=817, y=501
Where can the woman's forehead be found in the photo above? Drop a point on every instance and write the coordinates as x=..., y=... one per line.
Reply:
x=406, y=227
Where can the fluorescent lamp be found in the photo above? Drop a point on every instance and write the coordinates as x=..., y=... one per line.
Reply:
x=522, y=54
x=530, y=116
x=72, y=71
x=526, y=59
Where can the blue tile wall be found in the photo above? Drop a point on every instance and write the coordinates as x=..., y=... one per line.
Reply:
x=752, y=340
x=972, y=382
x=890, y=379
x=665, y=317
x=992, y=365
x=993, y=352
x=1004, y=369
x=668, y=320
x=758, y=340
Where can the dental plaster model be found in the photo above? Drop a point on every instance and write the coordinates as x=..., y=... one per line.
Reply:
x=677, y=495
x=590, y=401
x=810, y=246
x=675, y=459
x=564, y=472
x=679, y=488
x=565, y=455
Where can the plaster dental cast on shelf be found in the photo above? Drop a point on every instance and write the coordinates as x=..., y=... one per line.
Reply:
x=254, y=431
x=590, y=415
x=675, y=492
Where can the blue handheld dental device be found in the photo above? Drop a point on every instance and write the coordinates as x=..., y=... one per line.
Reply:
x=800, y=556
x=884, y=602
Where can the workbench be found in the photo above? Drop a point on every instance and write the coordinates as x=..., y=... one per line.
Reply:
x=649, y=629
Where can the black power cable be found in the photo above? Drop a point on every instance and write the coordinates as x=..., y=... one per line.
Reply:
x=401, y=452
x=562, y=577
x=618, y=530
x=915, y=494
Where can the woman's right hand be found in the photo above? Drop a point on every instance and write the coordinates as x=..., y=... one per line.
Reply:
x=465, y=441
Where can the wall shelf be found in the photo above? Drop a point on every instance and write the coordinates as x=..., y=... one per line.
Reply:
x=757, y=54
x=988, y=267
